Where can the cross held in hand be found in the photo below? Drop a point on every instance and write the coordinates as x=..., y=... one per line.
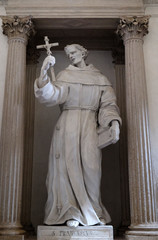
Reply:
x=47, y=45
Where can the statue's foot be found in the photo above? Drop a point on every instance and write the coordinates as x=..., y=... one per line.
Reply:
x=72, y=223
x=102, y=221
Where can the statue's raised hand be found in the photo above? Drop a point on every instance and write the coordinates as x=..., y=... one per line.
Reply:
x=48, y=61
x=44, y=78
x=115, y=130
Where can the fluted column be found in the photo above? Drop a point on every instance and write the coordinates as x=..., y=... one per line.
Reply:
x=12, y=135
x=32, y=56
x=142, y=198
x=119, y=61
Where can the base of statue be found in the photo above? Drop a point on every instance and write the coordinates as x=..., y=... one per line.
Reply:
x=79, y=233
x=12, y=237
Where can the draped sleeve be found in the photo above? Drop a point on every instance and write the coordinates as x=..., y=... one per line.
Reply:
x=51, y=94
x=108, y=110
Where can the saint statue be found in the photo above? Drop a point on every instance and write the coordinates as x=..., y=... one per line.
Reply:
x=88, y=108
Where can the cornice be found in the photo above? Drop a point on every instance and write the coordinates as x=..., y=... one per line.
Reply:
x=151, y=2
x=75, y=9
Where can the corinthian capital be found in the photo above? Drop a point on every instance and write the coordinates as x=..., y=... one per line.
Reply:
x=17, y=26
x=133, y=27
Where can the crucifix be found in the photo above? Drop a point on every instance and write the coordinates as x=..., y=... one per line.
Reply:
x=48, y=46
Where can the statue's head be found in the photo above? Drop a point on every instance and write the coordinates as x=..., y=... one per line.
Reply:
x=76, y=53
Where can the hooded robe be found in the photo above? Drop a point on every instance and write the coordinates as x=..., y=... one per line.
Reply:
x=87, y=101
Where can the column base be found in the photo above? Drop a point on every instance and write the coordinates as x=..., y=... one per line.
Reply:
x=11, y=230
x=79, y=233
x=9, y=237
x=142, y=232
x=142, y=237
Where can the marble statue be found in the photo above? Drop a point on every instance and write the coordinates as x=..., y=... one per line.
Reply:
x=88, y=108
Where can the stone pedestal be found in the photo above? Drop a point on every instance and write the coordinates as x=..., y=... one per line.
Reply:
x=79, y=233
x=142, y=197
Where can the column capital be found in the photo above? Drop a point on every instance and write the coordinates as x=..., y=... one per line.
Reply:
x=133, y=27
x=18, y=26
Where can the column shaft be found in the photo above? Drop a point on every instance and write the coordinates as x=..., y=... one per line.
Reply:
x=12, y=134
x=28, y=150
x=140, y=170
x=12, y=140
x=142, y=196
x=123, y=153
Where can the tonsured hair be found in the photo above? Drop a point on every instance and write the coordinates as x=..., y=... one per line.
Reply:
x=79, y=47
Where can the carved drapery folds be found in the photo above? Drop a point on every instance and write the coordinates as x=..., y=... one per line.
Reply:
x=142, y=197
x=12, y=135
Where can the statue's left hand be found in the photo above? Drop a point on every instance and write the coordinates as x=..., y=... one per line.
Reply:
x=115, y=130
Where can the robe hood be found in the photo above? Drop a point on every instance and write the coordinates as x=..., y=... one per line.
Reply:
x=88, y=75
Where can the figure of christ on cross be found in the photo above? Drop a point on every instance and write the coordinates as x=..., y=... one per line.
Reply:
x=48, y=46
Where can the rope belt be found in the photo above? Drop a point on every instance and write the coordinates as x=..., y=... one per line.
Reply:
x=79, y=108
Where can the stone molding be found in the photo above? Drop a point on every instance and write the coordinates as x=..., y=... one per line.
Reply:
x=133, y=27
x=16, y=27
x=79, y=233
x=72, y=9
x=150, y=1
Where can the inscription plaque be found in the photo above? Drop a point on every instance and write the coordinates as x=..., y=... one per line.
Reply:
x=79, y=233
